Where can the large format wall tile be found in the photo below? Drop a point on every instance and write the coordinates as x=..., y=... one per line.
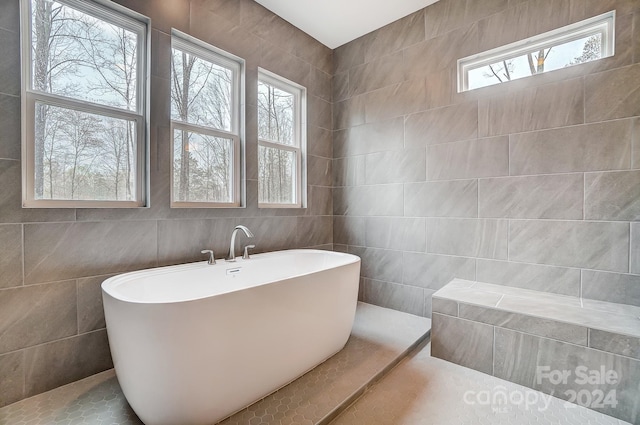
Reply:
x=396, y=36
x=442, y=125
x=90, y=308
x=635, y=160
x=12, y=377
x=611, y=287
x=378, y=200
x=349, y=230
x=401, y=233
x=10, y=64
x=10, y=125
x=381, y=72
x=349, y=171
x=381, y=264
x=634, y=266
x=612, y=195
x=469, y=159
x=594, y=147
x=396, y=100
x=593, y=245
x=369, y=138
x=558, y=280
x=407, y=165
x=455, y=198
x=551, y=196
x=612, y=94
x=392, y=295
x=63, y=251
x=10, y=15
x=468, y=237
x=313, y=231
x=615, y=343
x=10, y=255
x=433, y=271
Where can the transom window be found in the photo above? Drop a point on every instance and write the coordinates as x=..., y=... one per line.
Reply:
x=206, y=124
x=281, y=141
x=84, y=105
x=582, y=42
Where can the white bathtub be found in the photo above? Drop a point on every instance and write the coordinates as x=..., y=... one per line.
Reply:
x=195, y=343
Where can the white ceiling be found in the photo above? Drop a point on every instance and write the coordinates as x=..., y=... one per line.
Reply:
x=336, y=22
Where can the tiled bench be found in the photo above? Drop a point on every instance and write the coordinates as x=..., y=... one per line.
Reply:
x=531, y=338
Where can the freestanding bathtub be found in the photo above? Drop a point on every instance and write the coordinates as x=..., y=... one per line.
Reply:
x=195, y=343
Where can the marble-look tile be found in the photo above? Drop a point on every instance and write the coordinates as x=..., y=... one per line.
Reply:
x=468, y=237
x=407, y=165
x=533, y=297
x=475, y=10
x=319, y=112
x=314, y=231
x=320, y=200
x=10, y=15
x=534, y=108
x=615, y=343
x=349, y=112
x=609, y=307
x=160, y=54
x=592, y=245
x=369, y=138
x=635, y=148
x=349, y=171
x=456, y=198
x=432, y=271
x=400, y=233
x=442, y=125
x=10, y=255
x=636, y=37
x=612, y=195
x=319, y=171
x=558, y=280
x=469, y=344
x=634, y=260
x=444, y=16
x=611, y=287
x=428, y=307
x=396, y=100
x=319, y=141
x=64, y=251
x=10, y=64
x=470, y=295
x=519, y=322
x=379, y=264
x=90, y=309
x=160, y=108
x=376, y=74
x=319, y=84
x=612, y=94
x=444, y=306
x=396, y=36
x=10, y=125
x=12, y=377
x=408, y=299
x=622, y=7
x=58, y=363
x=314, y=52
x=349, y=230
x=270, y=233
x=519, y=356
x=378, y=200
x=548, y=196
x=164, y=15
x=340, y=86
x=35, y=314
x=348, y=55
x=469, y=159
x=592, y=147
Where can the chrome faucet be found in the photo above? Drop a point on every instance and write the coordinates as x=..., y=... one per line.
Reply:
x=232, y=245
x=212, y=259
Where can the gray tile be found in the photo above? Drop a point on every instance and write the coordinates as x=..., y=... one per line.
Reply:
x=468, y=237
x=558, y=280
x=10, y=64
x=340, y=86
x=469, y=159
x=10, y=255
x=444, y=16
x=549, y=196
x=378, y=73
x=519, y=356
x=635, y=159
x=593, y=147
x=457, y=198
x=407, y=165
x=349, y=112
x=612, y=195
x=160, y=54
x=319, y=84
x=520, y=322
x=319, y=112
x=433, y=271
x=532, y=108
x=90, y=309
x=442, y=125
x=10, y=15
x=349, y=230
x=612, y=94
x=622, y=6
x=319, y=171
x=400, y=233
x=428, y=301
x=396, y=36
x=615, y=343
x=348, y=55
x=634, y=266
x=471, y=295
x=369, y=138
x=469, y=344
x=12, y=378
x=314, y=231
x=349, y=171
x=592, y=245
x=271, y=233
x=378, y=200
x=58, y=363
x=444, y=306
x=611, y=287
x=408, y=299
x=164, y=16
x=32, y=315
x=10, y=125
x=63, y=251
x=319, y=141
x=320, y=200
x=396, y=100
x=379, y=264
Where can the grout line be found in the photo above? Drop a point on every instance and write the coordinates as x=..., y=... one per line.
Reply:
x=23, y=253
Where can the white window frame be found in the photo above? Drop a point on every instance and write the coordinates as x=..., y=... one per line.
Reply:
x=300, y=137
x=124, y=18
x=602, y=24
x=205, y=51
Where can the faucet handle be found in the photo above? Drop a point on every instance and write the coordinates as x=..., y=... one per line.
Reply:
x=245, y=256
x=212, y=259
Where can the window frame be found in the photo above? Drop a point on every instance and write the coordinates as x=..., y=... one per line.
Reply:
x=603, y=24
x=300, y=137
x=217, y=56
x=116, y=15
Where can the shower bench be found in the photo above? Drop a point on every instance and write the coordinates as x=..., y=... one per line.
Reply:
x=581, y=350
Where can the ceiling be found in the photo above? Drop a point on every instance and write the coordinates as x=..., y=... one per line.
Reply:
x=336, y=22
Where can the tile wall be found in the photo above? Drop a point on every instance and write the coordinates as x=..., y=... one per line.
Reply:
x=534, y=183
x=52, y=262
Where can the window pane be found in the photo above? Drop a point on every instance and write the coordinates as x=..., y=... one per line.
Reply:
x=83, y=156
x=202, y=168
x=275, y=114
x=81, y=57
x=276, y=169
x=201, y=92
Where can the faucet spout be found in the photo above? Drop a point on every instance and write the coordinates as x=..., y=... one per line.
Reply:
x=232, y=245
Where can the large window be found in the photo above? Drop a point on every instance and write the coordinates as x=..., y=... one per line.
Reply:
x=582, y=42
x=84, y=105
x=206, y=125
x=281, y=141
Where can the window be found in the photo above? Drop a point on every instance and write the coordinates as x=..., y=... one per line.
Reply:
x=206, y=124
x=582, y=42
x=281, y=142
x=84, y=105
